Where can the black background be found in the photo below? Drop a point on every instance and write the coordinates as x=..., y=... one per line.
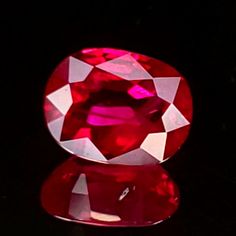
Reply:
x=199, y=39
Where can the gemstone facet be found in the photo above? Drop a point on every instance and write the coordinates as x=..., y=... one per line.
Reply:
x=118, y=107
x=110, y=195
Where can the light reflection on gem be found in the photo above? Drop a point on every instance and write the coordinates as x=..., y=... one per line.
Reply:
x=139, y=92
x=124, y=193
x=104, y=217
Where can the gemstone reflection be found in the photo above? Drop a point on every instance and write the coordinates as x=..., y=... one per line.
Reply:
x=110, y=195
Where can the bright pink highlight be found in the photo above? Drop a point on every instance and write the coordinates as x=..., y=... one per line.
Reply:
x=106, y=116
x=139, y=92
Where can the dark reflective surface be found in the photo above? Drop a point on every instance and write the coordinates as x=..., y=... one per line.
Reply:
x=197, y=39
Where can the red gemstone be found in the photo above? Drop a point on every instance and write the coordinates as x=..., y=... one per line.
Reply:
x=110, y=195
x=115, y=106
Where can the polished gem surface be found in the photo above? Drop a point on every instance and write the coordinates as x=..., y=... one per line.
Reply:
x=110, y=195
x=115, y=106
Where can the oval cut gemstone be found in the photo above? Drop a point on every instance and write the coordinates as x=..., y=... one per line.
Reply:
x=118, y=107
x=109, y=195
